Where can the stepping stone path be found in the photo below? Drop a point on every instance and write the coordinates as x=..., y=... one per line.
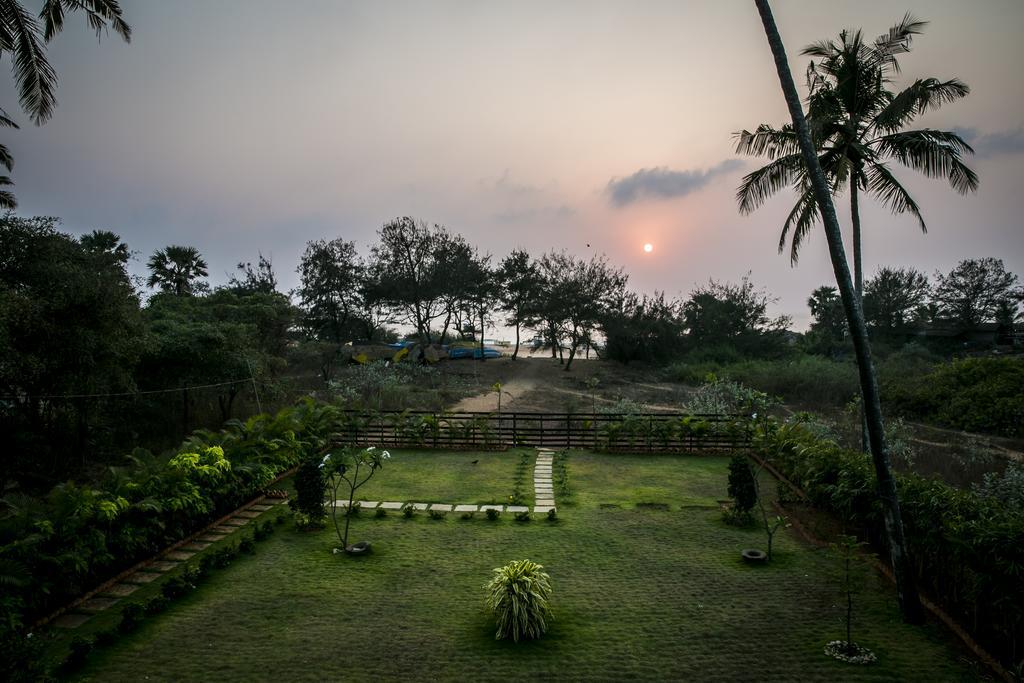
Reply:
x=544, y=493
x=112, y=595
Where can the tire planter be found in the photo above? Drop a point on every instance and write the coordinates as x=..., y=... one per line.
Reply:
x=751, y=556
x=360, y=548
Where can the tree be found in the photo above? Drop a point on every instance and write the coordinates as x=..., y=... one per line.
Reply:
x=177, y=269
x=643, y=328
x=893, y=297
x=330, y=279
x=518, y=278
x=729, y=314
x=69, y=329
x=975, y=291
x=353, y=469
x=857, y=127
x=24, y=40
x=906, y=590
x=407, y=267
x=482, y=294
x=258, y=279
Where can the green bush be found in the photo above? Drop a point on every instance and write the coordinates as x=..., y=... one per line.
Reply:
x=309, y=491
x=742, y=487
x=519, y=597
x=131, y=617
x=965, y=547
x=79, y=650
x=973, y=394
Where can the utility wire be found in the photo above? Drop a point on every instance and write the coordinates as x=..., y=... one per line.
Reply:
x=137, y=393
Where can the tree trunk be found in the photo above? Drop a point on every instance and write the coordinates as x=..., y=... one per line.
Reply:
x=858, y=285
x=906, y=590
x=482, y=356
x=516, y=351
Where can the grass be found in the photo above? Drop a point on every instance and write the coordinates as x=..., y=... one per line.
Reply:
x=449, y=477
x=638, y=594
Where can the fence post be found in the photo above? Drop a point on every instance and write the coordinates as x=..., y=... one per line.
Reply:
x=568, y=430
x=515, y=437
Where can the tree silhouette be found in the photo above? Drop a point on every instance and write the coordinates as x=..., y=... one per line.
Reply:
x=177, y=270
x=857, y=127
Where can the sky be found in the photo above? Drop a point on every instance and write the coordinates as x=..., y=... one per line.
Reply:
x=246, y=126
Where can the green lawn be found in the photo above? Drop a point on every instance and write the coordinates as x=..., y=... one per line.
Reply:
x=638, y=594
x=450, y=477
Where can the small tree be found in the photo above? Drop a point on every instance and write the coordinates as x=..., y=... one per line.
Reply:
x=353, y=469
x=851, y=580
x=771, y=526
x=518, y=596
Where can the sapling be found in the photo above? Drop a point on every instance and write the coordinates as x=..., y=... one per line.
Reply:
x=351, y=469
x=851, y=576
x=770, y=526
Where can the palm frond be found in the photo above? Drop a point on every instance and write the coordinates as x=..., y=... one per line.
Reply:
x=761, y=184
x=922, y=95
x=36, y=79
x=799, y=222
x=898, y=39
x=935, y=153
x=767, y=141
x=6, y=160
x=884, y=186
x=99, y=13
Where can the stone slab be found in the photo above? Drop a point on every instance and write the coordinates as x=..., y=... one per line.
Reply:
x=250, y=513
x=236, y=521
x=262, y=507
x=161, y=566
x=543, y=509
x=368, y=504
x=485, y=508
x=465, y=508
x=211, y=537
x=141, y=577
x=391, y=505
x=94, y=605
x=518, y=508
x=442, y=507
x=225, y=530
x=179, y=555
x=420, y=506
x=545, y=501
x=121, y=590
x=197, y=545
x=70, y=620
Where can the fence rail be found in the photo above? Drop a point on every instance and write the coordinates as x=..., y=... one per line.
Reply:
x=647, y=432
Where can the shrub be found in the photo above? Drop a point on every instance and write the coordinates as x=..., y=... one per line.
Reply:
x=523, y=516
x=519, y=598
x=131, y=617
x=380, y=512
x=309, y=492
x=437, y=514
x=263, y=531
x=174, y=588
x=157, y=604
x=552, y=515
x=247, y=545
x=79, y=650
x=408, y=510
x=106, y=638
x=468, y=515
x=742, y=488
x=493, y=514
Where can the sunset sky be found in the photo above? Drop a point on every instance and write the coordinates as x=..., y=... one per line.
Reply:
x=247, y=125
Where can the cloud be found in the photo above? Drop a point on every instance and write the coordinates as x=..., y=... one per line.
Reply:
x=993, y=144
x=664, y=183
x=518, y=202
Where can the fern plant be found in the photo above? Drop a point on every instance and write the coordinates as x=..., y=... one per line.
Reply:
x=519, y=596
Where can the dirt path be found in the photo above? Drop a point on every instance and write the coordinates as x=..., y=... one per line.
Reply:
x=529, y=373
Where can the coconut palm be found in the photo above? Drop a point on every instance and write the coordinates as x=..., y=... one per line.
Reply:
x=177, y=270
x=857, y=126
x=24, y=39
x=804, y=144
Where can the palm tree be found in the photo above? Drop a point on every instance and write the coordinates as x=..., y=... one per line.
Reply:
x=822, y=192
x=177, y=270
x=22, y=37
x=856, y=125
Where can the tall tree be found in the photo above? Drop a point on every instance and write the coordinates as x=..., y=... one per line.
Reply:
x=722, y=313
x=24, y=40
x=857, y=127
x=906, y=589
x=976, y=290
x=254, y=279
x=330, y=278
x=519, y=281
x=176, y=269
x=893, y=297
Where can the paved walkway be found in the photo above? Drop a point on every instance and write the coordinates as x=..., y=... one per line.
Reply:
x=111, y=594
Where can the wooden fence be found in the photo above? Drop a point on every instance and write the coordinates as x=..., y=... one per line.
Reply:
x=647, y=432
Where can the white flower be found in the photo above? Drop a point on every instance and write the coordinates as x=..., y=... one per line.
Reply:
x=384, y=455
x=371, y=449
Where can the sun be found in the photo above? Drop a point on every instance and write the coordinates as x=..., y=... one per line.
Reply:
x=648, y=247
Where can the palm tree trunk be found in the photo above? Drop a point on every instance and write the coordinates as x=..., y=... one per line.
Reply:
x=906, y=590
x=858, y=285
